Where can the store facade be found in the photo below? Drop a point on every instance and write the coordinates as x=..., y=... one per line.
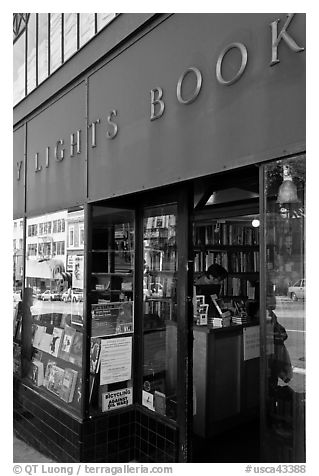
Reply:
x=150, y=162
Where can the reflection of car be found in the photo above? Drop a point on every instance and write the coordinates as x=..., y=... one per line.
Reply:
x=77, y=296
x=36, y=293
x=50, y=296
x=298, y=290
x=74, y=296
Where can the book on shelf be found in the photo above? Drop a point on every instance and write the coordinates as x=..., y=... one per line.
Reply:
x=220, y=321
x=67, y=341
x=36, y=372
x=219, y=307
x=68, y=385
x=76, y=349
x=53, y=377
x=56, y=339
x=37, y=332
x=95, y=350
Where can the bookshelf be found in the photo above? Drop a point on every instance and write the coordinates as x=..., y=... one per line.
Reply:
x=233, y=245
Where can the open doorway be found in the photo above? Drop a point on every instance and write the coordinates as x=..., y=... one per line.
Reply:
x=226, y=318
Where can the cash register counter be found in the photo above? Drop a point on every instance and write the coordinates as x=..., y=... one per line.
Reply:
x=226, y=387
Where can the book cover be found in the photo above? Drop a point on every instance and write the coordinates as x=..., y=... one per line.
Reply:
x=66, y=343
x=94, y=354
x=68, y=385
x=219, y=306
x=53, y=378
x=45, y=342
x=37, y=372
x=55, y=342
x=76, y=349
x=38, y=332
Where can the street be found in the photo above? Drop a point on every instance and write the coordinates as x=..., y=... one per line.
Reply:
x=291, y=315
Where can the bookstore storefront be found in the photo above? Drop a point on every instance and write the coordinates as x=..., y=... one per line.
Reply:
x=162, y=316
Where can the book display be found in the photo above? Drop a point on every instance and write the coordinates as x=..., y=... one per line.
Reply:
x=56, y=365
x=233, y=244
x=112, y=309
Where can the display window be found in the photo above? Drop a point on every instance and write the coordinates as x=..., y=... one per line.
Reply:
x=160, y=310
x=285, y=279
x=53, y=321
x=18, y=257
x=111, y=290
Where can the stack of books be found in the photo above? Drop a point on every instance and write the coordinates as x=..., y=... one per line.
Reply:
x=221, y=321
x=241, y=319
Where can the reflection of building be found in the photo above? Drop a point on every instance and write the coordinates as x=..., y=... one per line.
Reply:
x=17, y=252
x=75, y=238
x=46, y=237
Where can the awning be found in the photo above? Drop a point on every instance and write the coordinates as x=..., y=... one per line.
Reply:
x=46, y=269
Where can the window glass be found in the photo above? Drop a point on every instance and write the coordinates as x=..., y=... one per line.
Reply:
x=112, y=308
x=31, y=55
x=19, y=69
x=103, y=19
x=87, y=27
x=53, y=310
x=42, y=46
x=159, y=320
x=55, y=41
x=70, y=34
x=17, y=295
x=286, y=297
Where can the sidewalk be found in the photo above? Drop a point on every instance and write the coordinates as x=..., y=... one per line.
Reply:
x=23, y=453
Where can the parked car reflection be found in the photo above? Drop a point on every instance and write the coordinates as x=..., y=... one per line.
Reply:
x=297, y=290
x=50, y=296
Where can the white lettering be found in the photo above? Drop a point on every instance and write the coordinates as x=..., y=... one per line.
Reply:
x=93, y=137
x=38, y=167
x=111, y=135
x=76, y=143
x=157, y=100
x=59, y=157
x=19, y=166
x=47, y=157
x=244, y=58
x=283, y=35
x=197, y=89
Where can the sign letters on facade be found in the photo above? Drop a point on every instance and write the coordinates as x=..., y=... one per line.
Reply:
x=157, y=100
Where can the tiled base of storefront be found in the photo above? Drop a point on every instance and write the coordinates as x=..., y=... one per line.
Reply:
x=124, y=436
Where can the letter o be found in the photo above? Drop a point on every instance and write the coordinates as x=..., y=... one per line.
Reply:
x=198, y=75
x=244, y=57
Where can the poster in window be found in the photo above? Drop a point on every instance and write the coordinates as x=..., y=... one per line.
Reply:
x=116, y=360
x=77, y=274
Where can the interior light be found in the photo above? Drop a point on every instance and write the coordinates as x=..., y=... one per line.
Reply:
x=287, y=192
x=255, y=223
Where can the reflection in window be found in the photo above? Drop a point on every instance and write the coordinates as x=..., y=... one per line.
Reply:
x=70, y=34
x=87, y=27
x=31, y=56
x=111, y=296
x=42, y=46
x=55, y=41
x=17, y=295
x=19, y=69
x=160, y=327
x=103, y=19
x=285, y=273
x=53, y=320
